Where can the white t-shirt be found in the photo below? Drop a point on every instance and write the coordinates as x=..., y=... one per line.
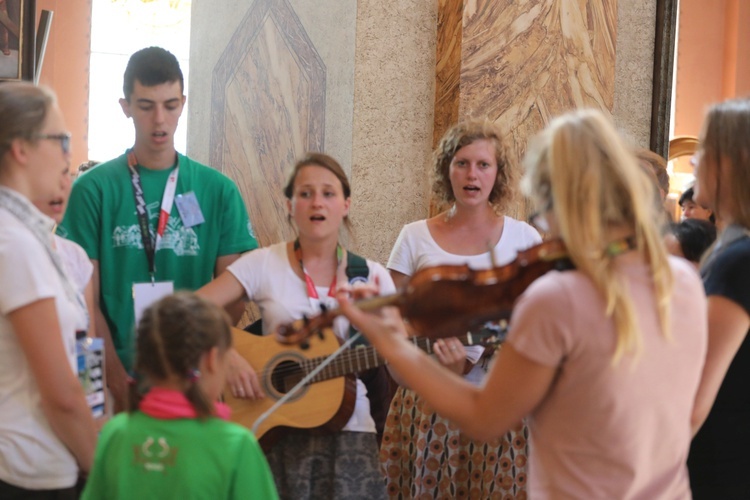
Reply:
x=281, y=296
x=77, y=263
x=31, y=455
x=416, y=249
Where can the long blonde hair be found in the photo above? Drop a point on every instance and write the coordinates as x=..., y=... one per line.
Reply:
x=583, y=170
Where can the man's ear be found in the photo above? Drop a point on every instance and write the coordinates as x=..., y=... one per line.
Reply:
x=125, y=105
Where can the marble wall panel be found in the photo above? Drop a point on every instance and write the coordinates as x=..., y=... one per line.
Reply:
x=381, y=82
x=270, y=80
x=526, y=62
x=268, y=104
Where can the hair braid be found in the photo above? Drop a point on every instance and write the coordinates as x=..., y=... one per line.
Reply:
x=173, y=335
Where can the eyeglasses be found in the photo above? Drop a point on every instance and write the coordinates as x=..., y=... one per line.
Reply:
x=63, y=138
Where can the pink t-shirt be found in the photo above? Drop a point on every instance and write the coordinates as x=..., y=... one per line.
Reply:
x=606, y=431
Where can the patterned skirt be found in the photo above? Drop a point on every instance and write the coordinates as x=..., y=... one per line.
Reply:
x=342, y=466
x=424, y=456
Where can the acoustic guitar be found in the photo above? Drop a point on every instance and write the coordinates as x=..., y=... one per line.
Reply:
x=327, y=402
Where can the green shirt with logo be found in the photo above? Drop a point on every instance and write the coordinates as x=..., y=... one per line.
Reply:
x=101, y=217
x=142, y=457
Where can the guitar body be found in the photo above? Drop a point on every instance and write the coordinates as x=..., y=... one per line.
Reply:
x=325, y=405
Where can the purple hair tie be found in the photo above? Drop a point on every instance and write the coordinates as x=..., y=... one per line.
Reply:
x=194, y=374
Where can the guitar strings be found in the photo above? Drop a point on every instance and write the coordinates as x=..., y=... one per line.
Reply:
x=351, y=357
x=348, y=358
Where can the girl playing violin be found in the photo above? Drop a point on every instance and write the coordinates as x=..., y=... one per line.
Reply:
x=293, y=279
x=473, y=175
x=604, y=360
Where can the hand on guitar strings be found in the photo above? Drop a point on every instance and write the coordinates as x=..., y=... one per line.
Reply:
x=451, y=354
x=241, y=378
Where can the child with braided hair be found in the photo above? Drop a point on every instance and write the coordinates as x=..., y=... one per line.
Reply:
x=174, y=441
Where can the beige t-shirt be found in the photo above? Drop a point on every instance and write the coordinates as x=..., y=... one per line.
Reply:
x=607, y=431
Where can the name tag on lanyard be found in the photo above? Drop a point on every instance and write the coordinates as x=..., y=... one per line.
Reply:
x=145, y=294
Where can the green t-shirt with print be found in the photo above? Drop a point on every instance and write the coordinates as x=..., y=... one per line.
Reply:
x=142, y=457
x=101, y=217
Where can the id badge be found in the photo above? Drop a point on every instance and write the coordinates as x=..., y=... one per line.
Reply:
x=145, y=294
x=190, y=210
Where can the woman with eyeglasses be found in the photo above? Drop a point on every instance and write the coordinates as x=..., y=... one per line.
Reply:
x=719, y=459
x=603, y=359
x=47, y=434
x=423, y=453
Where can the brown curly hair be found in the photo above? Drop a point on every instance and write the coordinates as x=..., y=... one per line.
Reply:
x=460, y=135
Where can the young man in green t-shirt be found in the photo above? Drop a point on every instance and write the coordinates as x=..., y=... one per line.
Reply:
x=207, y=227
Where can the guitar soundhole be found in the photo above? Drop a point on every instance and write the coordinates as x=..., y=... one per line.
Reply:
x=286, y=375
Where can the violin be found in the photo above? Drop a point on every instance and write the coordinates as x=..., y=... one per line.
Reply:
x=446, y=301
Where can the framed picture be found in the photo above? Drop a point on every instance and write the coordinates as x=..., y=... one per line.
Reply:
x=17, y=20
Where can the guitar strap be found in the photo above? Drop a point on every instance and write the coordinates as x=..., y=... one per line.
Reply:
x=380, y=387
x=356, y=271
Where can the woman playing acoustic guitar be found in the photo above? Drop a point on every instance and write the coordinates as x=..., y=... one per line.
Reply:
x=605, y=359
x=293, y=279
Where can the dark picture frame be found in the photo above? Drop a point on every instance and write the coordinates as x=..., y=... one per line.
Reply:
x=17, y=42
x=661, y=96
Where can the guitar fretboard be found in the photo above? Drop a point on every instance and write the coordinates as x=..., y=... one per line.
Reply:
x=362, y=358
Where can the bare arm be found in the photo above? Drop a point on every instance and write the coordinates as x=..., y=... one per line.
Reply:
x=224, y=289
x=117, y=377
x=514, y=387
x=241, y=377
x=236, y=308
x=728, y=324
x=63, y=401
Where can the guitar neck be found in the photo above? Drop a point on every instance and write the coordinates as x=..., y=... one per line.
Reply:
x=362, y=358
